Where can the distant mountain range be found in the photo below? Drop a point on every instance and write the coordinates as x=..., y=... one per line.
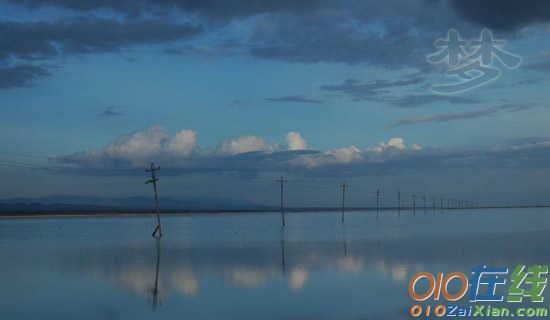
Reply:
x=67, y=203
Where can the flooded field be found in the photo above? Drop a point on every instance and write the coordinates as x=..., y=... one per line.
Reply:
x=244, y=266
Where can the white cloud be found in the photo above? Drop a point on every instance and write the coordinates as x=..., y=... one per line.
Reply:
x=345, y=155
x=295, y=141
x=393, y=143
x=244, y=144
x=180, y=151
x=183, y=142
x=396, y=143
x=138, y=147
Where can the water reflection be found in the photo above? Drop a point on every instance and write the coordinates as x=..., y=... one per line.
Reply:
x=326, y=271
x=155, y=290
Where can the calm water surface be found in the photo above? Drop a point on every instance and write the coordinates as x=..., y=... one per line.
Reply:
x=243, y=266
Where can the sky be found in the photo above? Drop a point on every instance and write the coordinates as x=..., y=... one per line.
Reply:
x=226, y=96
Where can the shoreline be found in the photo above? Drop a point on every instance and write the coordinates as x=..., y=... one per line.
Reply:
x=185, y=212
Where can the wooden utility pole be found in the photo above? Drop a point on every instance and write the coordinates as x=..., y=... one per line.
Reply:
x=153, y=169
x=377, y=200
x=282, y=181
x=414, y=204
x=399, y=202
x=344, y=187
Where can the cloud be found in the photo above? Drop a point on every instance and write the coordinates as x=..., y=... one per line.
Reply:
x=244, y=144
x=110, y=111
x=21, y=75
x=33, y=40
x=353, y=154
x=183, y=143
x=542, y=66
x=381, y=90
x=138, y=149
x=393, y=33
x=245, y=153
x=179, y=154
x=138, y=146
x=417, y=100
x=297, y=99
x=505, y=15
x=372, y=89
x=223, y=10
x=295, y=141
x=453, y=116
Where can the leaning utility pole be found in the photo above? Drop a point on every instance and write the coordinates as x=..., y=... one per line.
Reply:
x=344, y=187
x=154, y=180
x=282, y=181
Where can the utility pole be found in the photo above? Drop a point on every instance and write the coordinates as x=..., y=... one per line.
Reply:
x=399, y=202
x=343, y=186
x=414, y=204
x=282, y=181
x=441, y=204
x=153, y=169
x=377, y=200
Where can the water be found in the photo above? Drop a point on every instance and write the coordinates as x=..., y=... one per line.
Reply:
x=242, y=266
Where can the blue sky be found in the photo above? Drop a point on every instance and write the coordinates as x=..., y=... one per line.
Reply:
x=228, y=95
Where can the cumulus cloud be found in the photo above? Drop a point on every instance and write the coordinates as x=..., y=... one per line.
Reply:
x=139, y=145
x=244, y=144
x=183, y=142
x=139, y=148
x=295, y=141
x=181, y=153
x=351, y=154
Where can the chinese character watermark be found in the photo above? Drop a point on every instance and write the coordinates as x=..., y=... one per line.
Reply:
x=472, y=63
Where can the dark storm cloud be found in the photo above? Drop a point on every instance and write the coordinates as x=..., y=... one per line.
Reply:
x=43, y=39
x=226, y=9
x=391, y=33
x=296, y=99
x=21, y=75
x=505, y=15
